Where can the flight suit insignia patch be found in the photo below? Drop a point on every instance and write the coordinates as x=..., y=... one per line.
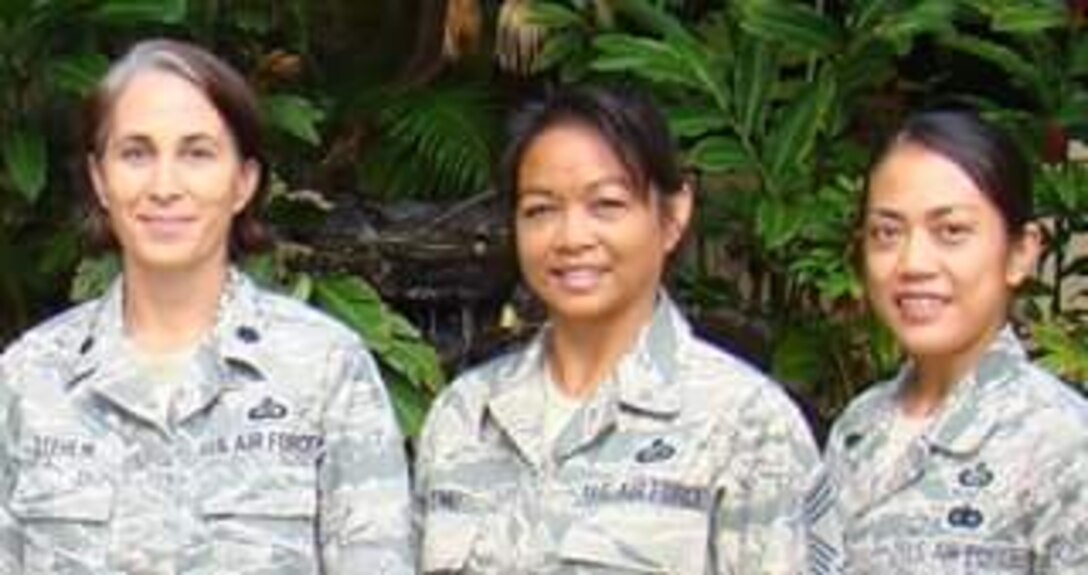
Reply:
x=658, y=450
x=268, y=409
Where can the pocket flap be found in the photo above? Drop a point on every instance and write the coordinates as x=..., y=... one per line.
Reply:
x=448, y=539
x=277, y=493
x=67, y=494
x=639, y=540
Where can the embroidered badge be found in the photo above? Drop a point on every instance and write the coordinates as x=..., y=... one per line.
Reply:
x=965, y=516
x=658, y=450
x=268, y=409
x=978, y=476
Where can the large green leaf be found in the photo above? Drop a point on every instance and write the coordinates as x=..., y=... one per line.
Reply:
x=925, y=16
x=1079, y=61
x=409, y=403
x=694, y=121
x=1028, y=16
x=794, y=137
x=719, y=154
x=554, y=15
x=652, y=59
x=1022, y=71
x=25, y=162
x=78, y=74
x=129, y=12
x=793, y=24
x=778, y=222
x=753, y=78
x=294, y=115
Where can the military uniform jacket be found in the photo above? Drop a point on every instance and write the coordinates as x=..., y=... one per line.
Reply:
x=685, y=461
x=281, y=455
x=997, y=484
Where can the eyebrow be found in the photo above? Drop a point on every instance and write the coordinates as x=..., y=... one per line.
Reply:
x=935, y=213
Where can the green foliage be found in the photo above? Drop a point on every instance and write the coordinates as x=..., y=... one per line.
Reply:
x=768, y=98
x=436, y=142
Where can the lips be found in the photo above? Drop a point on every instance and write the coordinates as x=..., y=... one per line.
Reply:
x=920, y=307
x=578, y=278
x=166, y=226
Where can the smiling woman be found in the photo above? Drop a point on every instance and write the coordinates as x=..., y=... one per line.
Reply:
x=189, y=421
x=972, y=459
x=617, y=441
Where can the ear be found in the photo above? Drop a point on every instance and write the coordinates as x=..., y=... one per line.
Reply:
x=1023, y=255
x=98, y=181
x=246, y=186
x=678, y=210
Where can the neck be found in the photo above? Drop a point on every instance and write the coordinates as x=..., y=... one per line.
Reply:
x=584, y=353
x=936, y=375
x=170, y=310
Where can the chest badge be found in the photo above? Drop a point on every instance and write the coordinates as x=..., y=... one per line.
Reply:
x=978, y=476
x=267, y=409
x=965, y=517
x=658, y=450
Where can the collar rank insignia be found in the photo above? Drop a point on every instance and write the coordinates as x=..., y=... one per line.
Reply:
x=268, y=408
x=977, y=476
x=657, y=450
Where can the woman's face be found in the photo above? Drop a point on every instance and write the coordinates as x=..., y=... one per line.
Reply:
x=589, y=245
x=940, y=266
x=169, y=175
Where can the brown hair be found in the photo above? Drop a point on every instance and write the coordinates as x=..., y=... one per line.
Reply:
x=227, y=91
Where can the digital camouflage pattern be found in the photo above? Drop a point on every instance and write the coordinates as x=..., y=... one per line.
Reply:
x=281, y=456
x=997, y=484
x=686, y=461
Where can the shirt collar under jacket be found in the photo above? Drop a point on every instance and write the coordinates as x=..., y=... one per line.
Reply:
x=103, y=366
x=644, y=383
x=964, y=421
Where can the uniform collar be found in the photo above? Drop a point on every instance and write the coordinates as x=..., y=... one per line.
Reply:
x=643, y=383
x=103, y=366
x=959, y=427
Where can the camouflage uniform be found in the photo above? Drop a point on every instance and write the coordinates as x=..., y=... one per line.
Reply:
x=997, y=484
x=282, y=455
x=685, y=461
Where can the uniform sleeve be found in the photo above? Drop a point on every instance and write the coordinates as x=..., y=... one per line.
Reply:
x=364, y=524
x=1060, y=512
x=776, y=514
x=10, y=529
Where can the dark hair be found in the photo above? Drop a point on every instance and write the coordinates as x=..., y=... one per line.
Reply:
x=624, y=117
x=227, y=91
x=983, y=151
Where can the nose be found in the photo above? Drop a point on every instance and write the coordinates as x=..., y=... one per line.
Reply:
x=165, y=185
x=575, y=230
x=917, y=257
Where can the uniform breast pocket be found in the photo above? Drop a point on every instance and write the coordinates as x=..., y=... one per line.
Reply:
x=263, y=519
x=65, y=510
x=452, y=525
x=638, y=538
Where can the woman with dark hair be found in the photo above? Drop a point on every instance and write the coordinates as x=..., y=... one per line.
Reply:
x=188, y=421
x=616, y=441
x=972, y=459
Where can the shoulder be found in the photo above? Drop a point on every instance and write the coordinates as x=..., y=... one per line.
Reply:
x=464, y=400
x=863, y=409
x=49, y=347
x=1038, y=403
x=303, y=323
x=737, y=398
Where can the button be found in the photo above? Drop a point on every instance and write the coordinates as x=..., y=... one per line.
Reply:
x=247, y=334
x=86, y=346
